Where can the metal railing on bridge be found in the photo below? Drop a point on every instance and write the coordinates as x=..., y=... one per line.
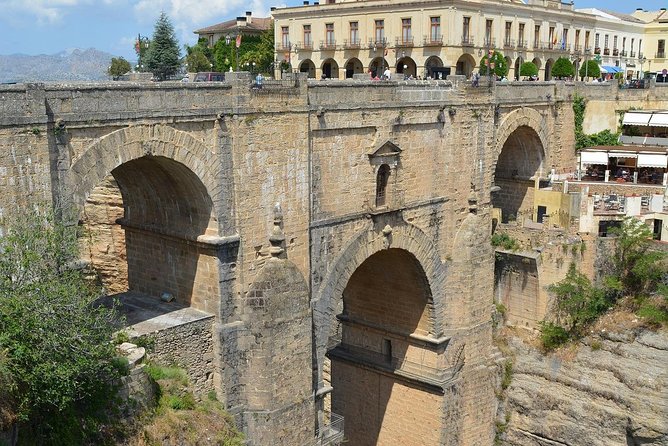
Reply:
x=331, y=433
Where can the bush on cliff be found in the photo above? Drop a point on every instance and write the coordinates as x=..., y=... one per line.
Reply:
x=59, y=360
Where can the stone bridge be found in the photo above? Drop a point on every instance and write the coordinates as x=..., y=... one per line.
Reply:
x=335, y=234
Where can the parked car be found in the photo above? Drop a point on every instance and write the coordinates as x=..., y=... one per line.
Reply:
x=209, y=76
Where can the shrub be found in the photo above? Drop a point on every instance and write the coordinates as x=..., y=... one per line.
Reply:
x=528, y=69
x=552, y=335
x=500, y=64
x=505, y=241
x=563, y=68
x=590, y=69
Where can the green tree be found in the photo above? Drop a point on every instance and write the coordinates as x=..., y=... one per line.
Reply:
x=55, y=340
x=590, y=69
x=500, y=64
x=163, y=57
x=528, y=69
x=118, y=67
x=197, y=62
x=563, y=68
x=261, y=51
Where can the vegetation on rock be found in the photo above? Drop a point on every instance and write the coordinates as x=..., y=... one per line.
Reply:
x=502, y=240
x=57, y=363
x=582, y=140
x=635, y=273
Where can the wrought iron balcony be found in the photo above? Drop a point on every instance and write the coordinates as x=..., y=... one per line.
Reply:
x=306, y=46
x=403, y=42
x=328, y=45
x=508, y=43
x=606, y=51
x=522, y=44
x=377, y=43
x=283, y=46
x=615, y=52
x=467, y=40
x=660, y=54
x=351, y=44
x=432, y=40
x=489, y=42
x=536, y=44
x=632, y=54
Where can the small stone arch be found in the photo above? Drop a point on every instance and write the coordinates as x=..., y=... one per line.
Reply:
x=145, y=141
x=307, y=66
x=548, y=69
x=378, y=66
x=329, y=297
x=411, y=67
x=353, y=66
x=465, y=65
x=536, y=61
x=518, y=65
x=330, y=69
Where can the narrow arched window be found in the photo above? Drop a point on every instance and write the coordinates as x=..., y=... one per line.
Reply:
x=381, y=184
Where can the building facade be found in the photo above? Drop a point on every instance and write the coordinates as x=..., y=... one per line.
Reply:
x=432, y=39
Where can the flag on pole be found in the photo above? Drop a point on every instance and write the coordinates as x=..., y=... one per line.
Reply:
x=238, y=40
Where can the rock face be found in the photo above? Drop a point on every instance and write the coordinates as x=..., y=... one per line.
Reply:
x=612, y=391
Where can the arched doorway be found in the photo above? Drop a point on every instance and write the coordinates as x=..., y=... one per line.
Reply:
x=509, y=64
x=465, y=65
x=353, y=66
x=548, y=69
x=406, y=67
x=378, y=66
x=307, y=66
x=330, y=69
x=518, y=65
x=432, y=63
x=518, y=169
x=386, y=308
x=536, y=61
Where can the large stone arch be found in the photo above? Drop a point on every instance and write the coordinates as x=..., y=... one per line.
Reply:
x=329, y=297
x=524, y=116
x=146, y=141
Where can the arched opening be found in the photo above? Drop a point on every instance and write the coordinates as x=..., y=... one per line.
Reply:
x=518, y=64
x=330, y=69
x=382, y=178
x=431, y=64
x=509, y=64
x=308, y=67
x=517, y=173
x=378, y=66
x=378, y=363
x=353, y=66
x=536, y=61
x=548, y=69
x=465, y=65
x=406, y=67
x=142, y=225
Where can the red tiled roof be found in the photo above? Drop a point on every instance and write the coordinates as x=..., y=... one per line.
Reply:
x=257, y=24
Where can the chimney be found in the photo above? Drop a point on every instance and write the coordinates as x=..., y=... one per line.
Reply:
x=241, y=21
x=316, y=3
x=273, y=8
x=249, y=19
x=305, y=2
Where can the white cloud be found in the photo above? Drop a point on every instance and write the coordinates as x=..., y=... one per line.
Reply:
x=191, y=14
x=44, y=11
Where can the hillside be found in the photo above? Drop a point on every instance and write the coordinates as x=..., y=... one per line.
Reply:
x=72, y=65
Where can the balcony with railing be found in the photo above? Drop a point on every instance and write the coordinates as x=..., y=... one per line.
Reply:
x=597, y=50
x=632, y=54
x=660, y=54
x=328, y=45
x=490, y=42
x=436, y=40
x=283, y=46
x=352, y=44
x=606, y=51
x=577, y=47
x=623, y=53
x=522, y=44
x=377, y=43
x=403, y=42
x=304, y=46
x=467, y=40
x=536, y=44
x=331, y=432
x=508, y=43
x=615, y=52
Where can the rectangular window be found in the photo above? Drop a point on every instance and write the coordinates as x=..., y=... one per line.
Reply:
x=623, y=43
x=285, y=37
x=552, y=38
x=406, y=35
x=597, y=41
x=329, y=34
x=632, y=42
x=354, y=33
x=661, y=49
x=587, y=34
x=614, y=42
x=639, y=47
x=435, y=32
x=606, y=41
x=536, y=36
x=520, y=35
x=507, y=38
x=380, y=30
x=488, y=32
x=308, y=42
x=577, y=40
x=466, y=30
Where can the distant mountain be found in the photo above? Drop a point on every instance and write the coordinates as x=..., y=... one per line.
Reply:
x=70, y=65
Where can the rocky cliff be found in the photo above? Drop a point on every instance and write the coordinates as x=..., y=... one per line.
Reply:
x=610, y=389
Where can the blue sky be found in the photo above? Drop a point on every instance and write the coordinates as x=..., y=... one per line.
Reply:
x=50, y=26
